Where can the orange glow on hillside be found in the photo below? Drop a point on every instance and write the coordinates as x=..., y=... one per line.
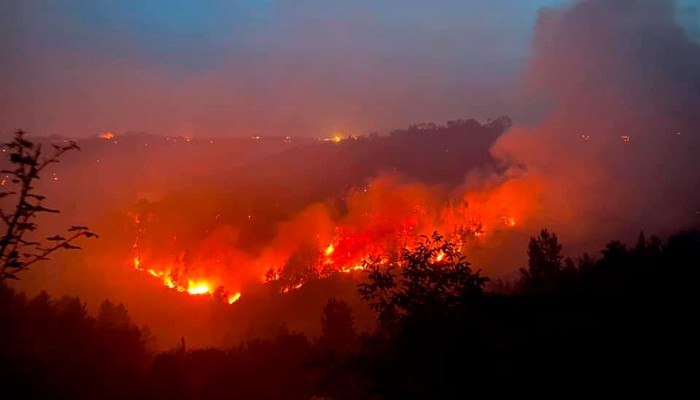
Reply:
x=382, y=220
x=171, y=278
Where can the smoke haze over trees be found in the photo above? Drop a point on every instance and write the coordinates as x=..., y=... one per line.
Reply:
x=282, y=241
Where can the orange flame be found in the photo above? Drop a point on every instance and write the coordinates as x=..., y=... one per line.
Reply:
x=293, y=287
x=234, y=298
x=388, y=219
x=198, y=288
x=440, y=256
x=169, y=279
x=351, y=269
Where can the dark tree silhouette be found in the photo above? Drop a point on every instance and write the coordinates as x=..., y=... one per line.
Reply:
x=19, y=246
x=112, y=315
x=614, y=321
x=338, y=330
x=434, y=278
x=545, y=263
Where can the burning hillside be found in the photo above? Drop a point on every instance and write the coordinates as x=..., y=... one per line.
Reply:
x=322, y=240
x=612, y=152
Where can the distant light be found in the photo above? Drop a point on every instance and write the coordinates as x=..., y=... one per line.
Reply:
x=585, y=137
x=106, y=136
x=337, y=138
x=625, y=138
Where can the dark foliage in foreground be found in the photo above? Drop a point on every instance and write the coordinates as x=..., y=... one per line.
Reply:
x=625, y=319
x=21, y=245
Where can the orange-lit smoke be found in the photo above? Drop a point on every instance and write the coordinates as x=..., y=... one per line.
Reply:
x=608, y=157
x=616, y=152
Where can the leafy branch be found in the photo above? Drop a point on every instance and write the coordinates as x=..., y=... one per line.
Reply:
x=17, y=251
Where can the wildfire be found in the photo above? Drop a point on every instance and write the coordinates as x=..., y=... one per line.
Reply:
x=171, y=278
x=391, y=218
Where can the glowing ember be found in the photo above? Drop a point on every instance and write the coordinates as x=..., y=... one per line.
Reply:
x=293, y=287
x=351, y=269
x=509, y=221
x=106, y=136
x=440, y=256
x=234, y=298
x=329, y=250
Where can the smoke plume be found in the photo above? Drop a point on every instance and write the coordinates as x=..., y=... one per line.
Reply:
x=616, y=152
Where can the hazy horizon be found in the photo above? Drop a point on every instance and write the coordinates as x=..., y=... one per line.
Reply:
x=221, y=68
x=613, y=152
